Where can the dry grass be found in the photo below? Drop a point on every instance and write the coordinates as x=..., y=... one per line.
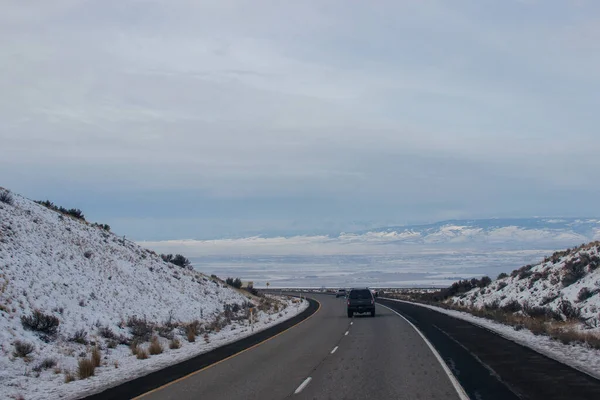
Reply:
x=566, y=332
x=69, y=377
x=96, y=357
x=155, y=346
x=190, y=332
x=134, y=348
x=85, y=368
x=174, y=344
x=142, y=354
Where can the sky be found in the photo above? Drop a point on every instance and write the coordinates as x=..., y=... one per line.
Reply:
x=203, y=119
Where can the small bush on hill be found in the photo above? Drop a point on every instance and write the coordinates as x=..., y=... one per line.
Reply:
x=105, y=227
x=46, y=364
x=174, y=344
x=567, y=309
x=484, y=281
x=107, y=333
x=40, y=322
x=80, y=337
x=573, y=271
x=139, y=328
x=236, y=283
x=23, y=349
x=512, y=306
x=73, y=212
x=177, y=259
x=585, y=293
x=6, y=197
x=502, y=275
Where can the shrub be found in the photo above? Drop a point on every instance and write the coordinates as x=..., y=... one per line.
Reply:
x=155, y=346
x=142, y=354
x=236, y=283
x=567, y=309
x=140, y=328
x=177, y=259
x=48, y=363
x=484, y=281
x=594, y=262
x=69, y=377
x=166, y=331
x=190, y=334
x=73, y=212
x=502, y=285
x=96, y=357
x=512, y=306
x=174, y=344
x=6, y=197
x=79, y=337
x=574, y=270
x=88, y=254
x=584, y=294
x=85, y=368
x=494, y=305
x=134, y=348
x=40, y=322
x=107, y=333
x=23, y=349
x=502, y=275
x=548, y=299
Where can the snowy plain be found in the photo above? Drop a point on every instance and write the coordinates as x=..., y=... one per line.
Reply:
x=91, y=279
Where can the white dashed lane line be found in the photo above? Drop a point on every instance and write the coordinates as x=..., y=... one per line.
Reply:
x=303, y=385
x=334, y=349
x=346, y=334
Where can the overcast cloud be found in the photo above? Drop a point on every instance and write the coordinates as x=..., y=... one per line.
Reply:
x=196, y=119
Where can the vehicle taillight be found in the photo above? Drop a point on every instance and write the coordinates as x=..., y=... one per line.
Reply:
x=372, y=301
x=348, y=301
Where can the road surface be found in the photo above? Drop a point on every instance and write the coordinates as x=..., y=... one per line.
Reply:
x=328, y=356
x=493, y=368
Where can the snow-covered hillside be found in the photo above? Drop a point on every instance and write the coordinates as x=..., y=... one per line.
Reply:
x=100, y=288
x=564, y=286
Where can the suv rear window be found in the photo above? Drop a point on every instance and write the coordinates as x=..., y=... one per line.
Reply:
x=360, y=294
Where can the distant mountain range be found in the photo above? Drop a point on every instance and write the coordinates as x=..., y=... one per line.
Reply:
x=552, y=231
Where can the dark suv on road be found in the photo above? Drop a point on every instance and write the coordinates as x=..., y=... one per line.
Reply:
x=361, y=301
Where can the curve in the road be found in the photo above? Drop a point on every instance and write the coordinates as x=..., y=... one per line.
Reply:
x=329, y=356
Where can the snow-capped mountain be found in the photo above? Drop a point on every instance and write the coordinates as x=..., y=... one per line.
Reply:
x=550, y=231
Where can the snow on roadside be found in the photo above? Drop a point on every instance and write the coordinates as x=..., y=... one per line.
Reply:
x=94, y=281
x=130, y=368
x=577, y=356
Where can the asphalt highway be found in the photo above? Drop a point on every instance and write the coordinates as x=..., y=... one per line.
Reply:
x=327, y=356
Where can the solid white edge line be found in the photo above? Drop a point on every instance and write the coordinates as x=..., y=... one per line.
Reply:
x=334, y=349
x=523, y=343
x=459, y=389
x=303, y=385
x=346, y=334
